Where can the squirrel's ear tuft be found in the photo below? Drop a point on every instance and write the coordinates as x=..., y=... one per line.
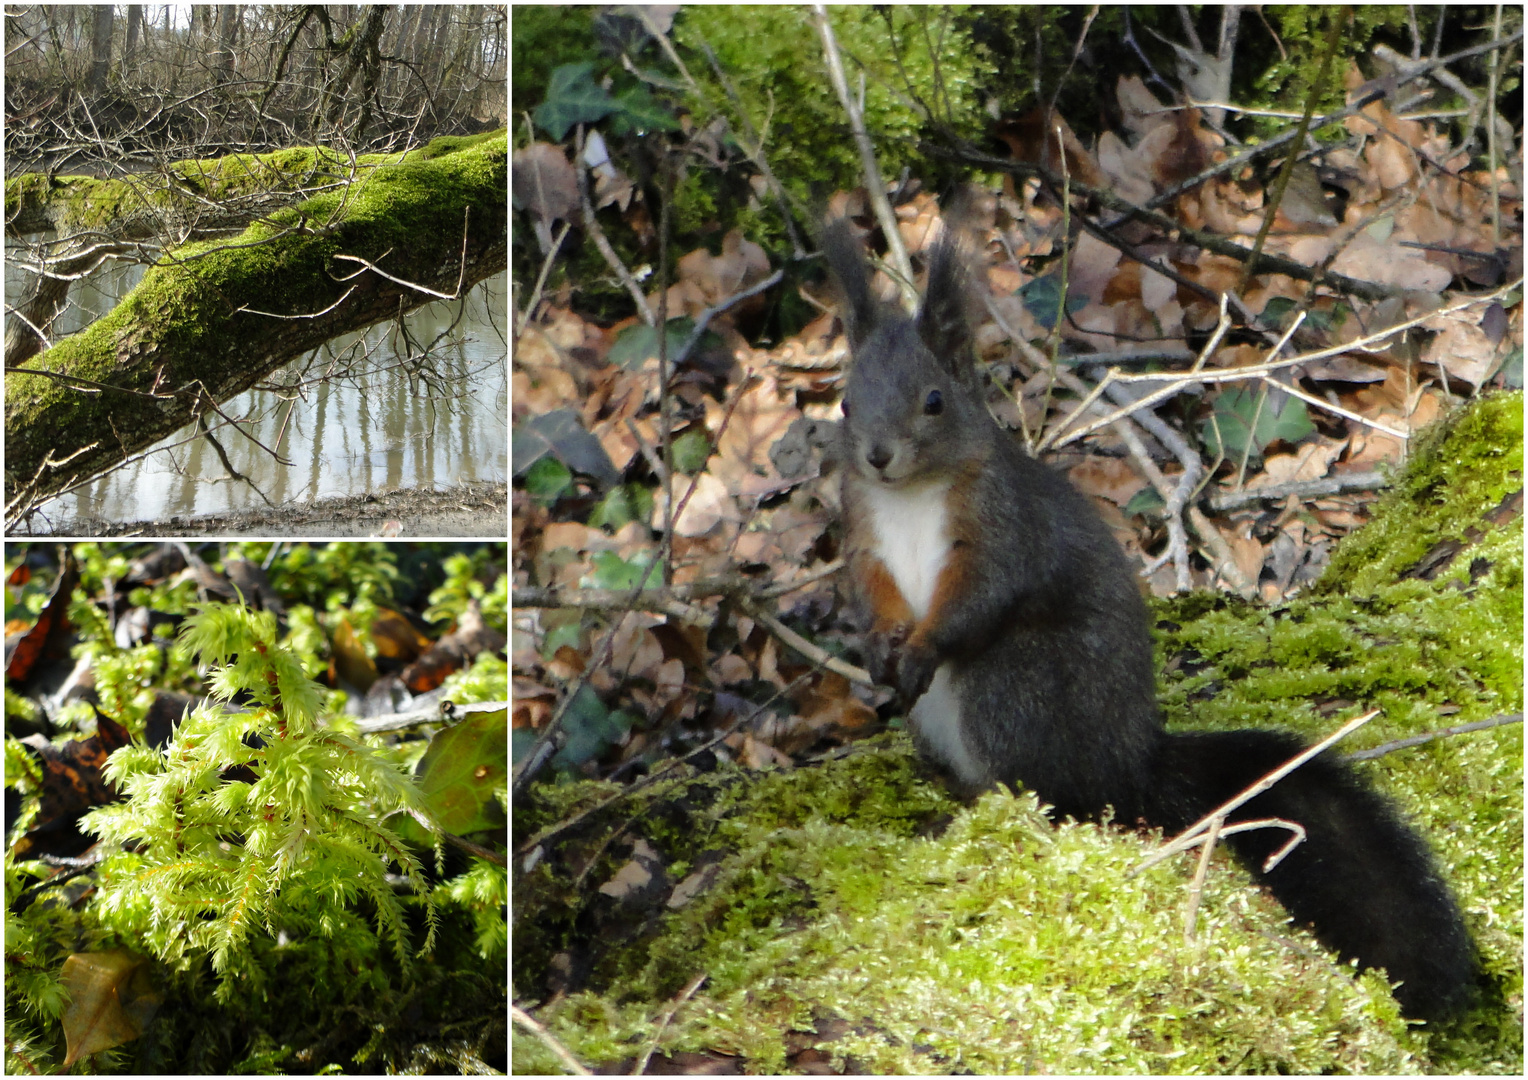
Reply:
x=944, y=321
x=847, y=262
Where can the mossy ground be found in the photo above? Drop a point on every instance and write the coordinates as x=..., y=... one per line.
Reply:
x=1004, y=944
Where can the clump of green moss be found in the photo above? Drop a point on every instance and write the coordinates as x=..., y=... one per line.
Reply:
x=913, y=58
x=1008, y=944
x=1460, y=469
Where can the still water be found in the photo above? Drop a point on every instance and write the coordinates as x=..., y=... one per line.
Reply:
x=366, y=427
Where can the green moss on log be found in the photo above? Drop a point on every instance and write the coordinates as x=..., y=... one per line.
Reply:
x=195, y=325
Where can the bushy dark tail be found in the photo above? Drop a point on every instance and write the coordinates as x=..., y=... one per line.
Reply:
x=1363, y=880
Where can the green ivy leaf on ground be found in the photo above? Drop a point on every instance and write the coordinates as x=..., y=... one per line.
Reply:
x=1242, y=414
x=573, y=97
x=638, y=343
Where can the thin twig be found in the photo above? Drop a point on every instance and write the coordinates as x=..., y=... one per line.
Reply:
x=1188, y=837
x=684, y=995
x=598, y=657
x=436, y=715
x=597, y=234
x=652, y=778
x=1178, y=381
x=1492, y=154
x=1380, y=89
x=716, y=309
x=875, y=186
x=1201, y=871
x=546, y=268
x=1339, y=19
x=1301, y=489
x=670, y=600
x=1443, y=733
x=805, y=647
x=531, y=1024
x=755, y=152
x=1220, y=245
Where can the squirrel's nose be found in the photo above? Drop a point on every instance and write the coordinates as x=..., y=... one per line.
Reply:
x=878, y=456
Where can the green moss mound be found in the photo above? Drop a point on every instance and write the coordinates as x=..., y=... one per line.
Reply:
x=855, y=909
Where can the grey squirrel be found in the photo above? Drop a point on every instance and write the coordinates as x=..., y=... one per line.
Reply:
x=1002, y=608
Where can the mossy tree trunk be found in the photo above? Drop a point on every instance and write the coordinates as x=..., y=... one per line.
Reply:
x=212, y=318
x=96, y=218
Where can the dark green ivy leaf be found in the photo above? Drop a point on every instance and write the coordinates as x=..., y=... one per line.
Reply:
x=691, y=451
x=548, y=480
x=625, y=503
x=589, y=729
x=572, y=97
x=1228, y=431
x=561, y=434
x=635, y=345
x=1146, y=501
x=613, y=572
x=1042, y=297
x=637, y=110
x=1512, y=369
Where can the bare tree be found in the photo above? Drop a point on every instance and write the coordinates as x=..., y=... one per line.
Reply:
x=100, y=49
x=134, y=27
x=229, y=17
x=155, y=184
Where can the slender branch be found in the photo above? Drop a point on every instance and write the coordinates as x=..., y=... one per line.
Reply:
x=805, y=647
x=1418, y=740
x=875, y=186
x=684, y=995
x=1340, y=17
x=1367, y=96
x=1261, y=263
x=592, y=227
x=436, y=715
x=534, y=1026
x=314, y=315
x=1187, y=838
x=1201, y=871
x=656, y=775
x=1179, y=380
x=716, y=309
x=755, y=151
x=546, y=268
x=1301, y=489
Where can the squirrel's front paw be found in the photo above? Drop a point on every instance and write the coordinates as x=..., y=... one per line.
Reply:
x=915, y=670
x=881, y=650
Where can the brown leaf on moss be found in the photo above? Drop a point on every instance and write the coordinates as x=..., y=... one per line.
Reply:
x=111, y=1001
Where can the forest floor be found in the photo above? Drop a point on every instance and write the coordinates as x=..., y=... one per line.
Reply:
x=479, y=508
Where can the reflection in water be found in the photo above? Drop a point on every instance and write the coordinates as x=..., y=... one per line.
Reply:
x=351, y=418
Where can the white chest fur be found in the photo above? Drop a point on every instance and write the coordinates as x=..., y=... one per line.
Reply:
x=912, y=537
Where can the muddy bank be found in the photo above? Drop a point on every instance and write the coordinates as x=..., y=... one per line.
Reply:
x=478, y=509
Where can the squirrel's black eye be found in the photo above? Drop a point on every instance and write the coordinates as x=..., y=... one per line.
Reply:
x=846, y=409
x=933, y=405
